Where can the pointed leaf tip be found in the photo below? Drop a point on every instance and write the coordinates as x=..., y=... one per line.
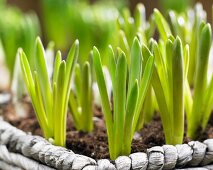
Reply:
x=178, y=38
x=86, y=64
x=136, y=82
x=76, y=42
x=136, y=41
x=58, y=53
x=156, y=10
x=178, y=41
x=152, y=40
x=207, y=29
x=95, y=50
x=187, y=47
x=110, y=46
x=63, y=62
x=38, y=40
x=20, y=51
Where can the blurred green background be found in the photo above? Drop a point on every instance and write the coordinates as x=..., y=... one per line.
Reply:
x=35, y=5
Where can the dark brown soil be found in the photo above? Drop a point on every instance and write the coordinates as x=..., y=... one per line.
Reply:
x=94, y=144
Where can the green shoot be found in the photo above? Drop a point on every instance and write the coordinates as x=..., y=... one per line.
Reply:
x=193, y=43
x=162, y=25
x=80, y=101
x=17, y=85
x=186, y=26
x=148, y=109
x=135, y=25
x=168, y=83
x=129, y=28
x=50, y=100
x=121, y=120
x=200, y=109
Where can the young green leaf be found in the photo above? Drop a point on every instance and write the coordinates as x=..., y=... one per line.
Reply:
x=87, y=90
x=50, y=102
x=38, y=102
x=74, y=109
x=143, y=87
x=208, y=103
x=135, y=65
x=104, y=99
x=120, y=102
x=59, y=101
x=41, y=67
x=140, y=16
x=162, y=25
x=162, y=104
x=178, y=92
x=123, y=43
x=200, y=79
x=56, y=66
x=130, y=109
x=78, y=83
x=121, y=122
x=112, y=65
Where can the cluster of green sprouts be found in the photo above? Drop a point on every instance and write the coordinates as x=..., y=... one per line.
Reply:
x=168, y=84
x=147, y=75
x=130, y=82
x=198, y=104
x=188, y=27
x=50, y=97
x=80, y=101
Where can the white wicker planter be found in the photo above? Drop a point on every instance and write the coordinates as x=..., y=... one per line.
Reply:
x=19, y=150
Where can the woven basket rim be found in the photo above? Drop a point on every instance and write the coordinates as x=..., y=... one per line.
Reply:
x=192, y=154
